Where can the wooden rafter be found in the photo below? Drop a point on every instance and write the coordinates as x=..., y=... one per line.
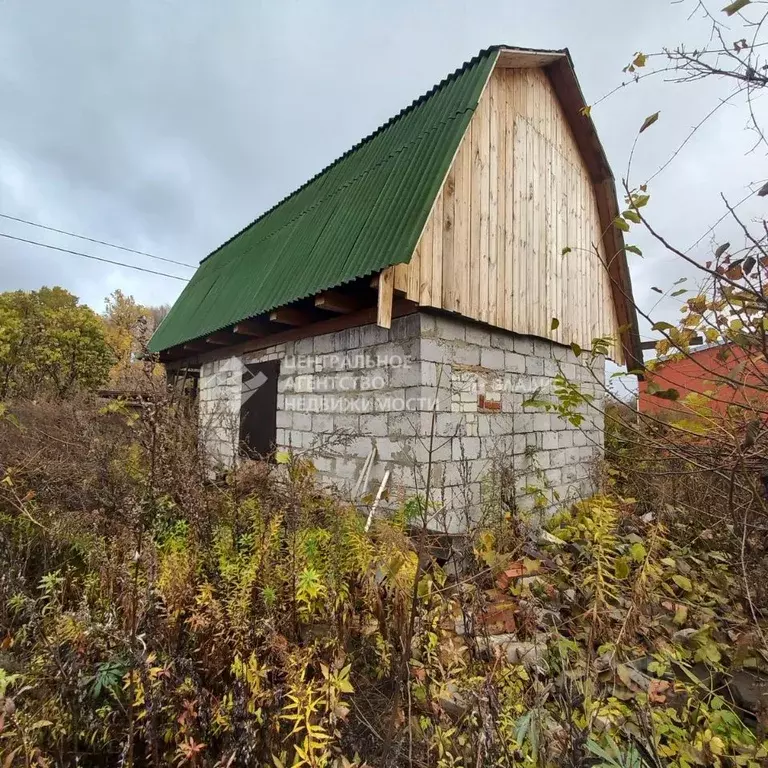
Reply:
x=291, y=316
x=252, y=328
x=336, y=301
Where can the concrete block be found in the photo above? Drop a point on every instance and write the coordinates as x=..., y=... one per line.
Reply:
x=374, y=424
x=541, y=422
x=408, y=375
x=427, y=324
x=514, y=362
x=433, y=350
x=534, y=366
x=492, y=358
x=550, y=441
x=503, y=340
x=386, y=449
x=284, y=419
x=449, y=424
x=542, y=348
x=450, y=329
x=524, y=422
x=403, y=424
x=302, y=421
x=464, y=354
x=476, y=334
x=579, y=438
x=572, y=455
x=465, y=448
x=322, y=422
x=557, y=458
x=371, y=335
x=565, y=438
x=523, y=345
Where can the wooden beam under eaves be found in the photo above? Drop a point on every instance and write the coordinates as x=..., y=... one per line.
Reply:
x=225, y=338
x=198, y=347
x=221, y=338
x=335, y=301
x=386, y=296
x=291, y=316
x=252, y=328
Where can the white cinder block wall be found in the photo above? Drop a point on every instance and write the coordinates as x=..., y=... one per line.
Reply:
x=429, y=381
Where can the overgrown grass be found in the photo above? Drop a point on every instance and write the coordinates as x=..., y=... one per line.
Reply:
x=153, y=617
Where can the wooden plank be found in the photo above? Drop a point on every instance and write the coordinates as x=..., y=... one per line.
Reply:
x=521, y=58
x=426, y=283
x=509, y=202
x=461, y=276
x=253, y=328
x=493, y=199
x=291, y=316
x=530, y=234
x=402, y=273
x=519, y=322
x=386, y=296
x=483, y=201
x=442, y=243
x=223, y=338
x=335, y=301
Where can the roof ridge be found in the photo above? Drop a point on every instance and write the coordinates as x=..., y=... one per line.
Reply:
x=365, y=140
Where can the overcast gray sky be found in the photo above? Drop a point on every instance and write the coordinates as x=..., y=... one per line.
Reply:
x=168, y=125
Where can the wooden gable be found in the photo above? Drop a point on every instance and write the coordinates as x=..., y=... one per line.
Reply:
x=518, y=194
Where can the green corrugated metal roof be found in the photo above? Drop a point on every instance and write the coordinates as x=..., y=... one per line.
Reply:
x=361, y=214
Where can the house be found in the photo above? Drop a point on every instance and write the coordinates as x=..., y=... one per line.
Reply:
x=724, y=374
x=403, y=299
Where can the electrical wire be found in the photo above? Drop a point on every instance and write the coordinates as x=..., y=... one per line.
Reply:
x=94, y=240
x=95, y=258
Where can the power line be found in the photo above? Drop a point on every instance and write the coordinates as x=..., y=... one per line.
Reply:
x=95, y=258
x=94, y=240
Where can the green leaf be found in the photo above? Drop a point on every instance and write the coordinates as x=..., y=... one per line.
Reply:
x=736, y=6
x=577, y=350
x=566, y=250
x=586, y=110
x=683, y=582
x=283, y=457
x=637, y=552
x=632, y=216
x=662, y=325
x=658, y=290
x=679, y=292
x=633, y=249
x=649, y=121
x=668, y=394
x=619, y=223
x=639, y=60
x=621, y=568
x=721, y=249
x=554, y=325
x=640, y=200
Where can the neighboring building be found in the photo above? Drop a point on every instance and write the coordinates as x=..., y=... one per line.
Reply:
x=421, y=271
x=725, y=374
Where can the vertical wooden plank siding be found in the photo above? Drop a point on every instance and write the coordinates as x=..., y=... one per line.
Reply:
x=518, y=193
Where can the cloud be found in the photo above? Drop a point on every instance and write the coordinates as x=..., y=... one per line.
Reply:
x=168, y=126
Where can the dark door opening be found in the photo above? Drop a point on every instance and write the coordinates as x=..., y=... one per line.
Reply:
x=258, y=409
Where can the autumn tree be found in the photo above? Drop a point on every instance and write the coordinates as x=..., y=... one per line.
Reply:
x=128, y=326
x=50, y=344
